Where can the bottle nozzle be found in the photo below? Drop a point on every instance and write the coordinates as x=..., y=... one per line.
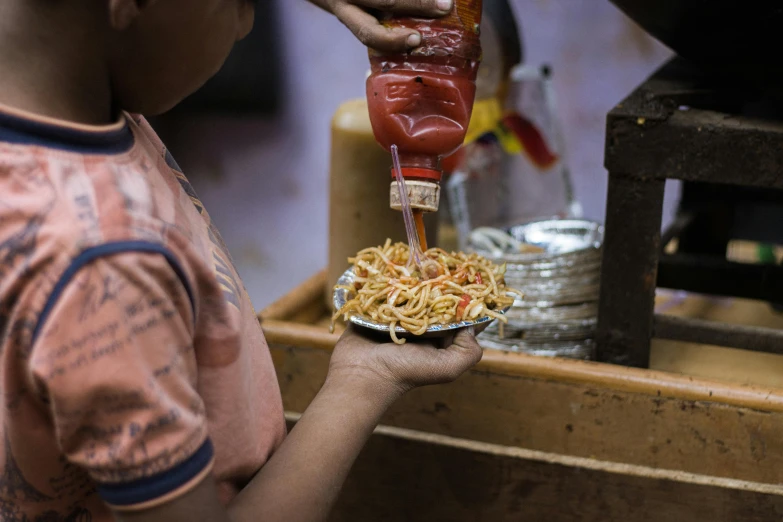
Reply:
x=423, y=195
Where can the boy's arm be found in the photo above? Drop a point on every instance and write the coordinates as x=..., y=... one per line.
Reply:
x=356, y=16
x=303, y=478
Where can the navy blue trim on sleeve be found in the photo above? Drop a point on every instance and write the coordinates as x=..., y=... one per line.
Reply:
x=154, y=487
x=19, y=130
x=104, y=250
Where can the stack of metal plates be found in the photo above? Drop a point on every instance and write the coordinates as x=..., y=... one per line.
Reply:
x=557, y=316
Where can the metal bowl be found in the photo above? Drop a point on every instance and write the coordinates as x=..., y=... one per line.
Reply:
x=342, y=296
x=565, y=243
x=560, y=237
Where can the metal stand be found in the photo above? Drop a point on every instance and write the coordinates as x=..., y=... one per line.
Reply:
x=674, y=126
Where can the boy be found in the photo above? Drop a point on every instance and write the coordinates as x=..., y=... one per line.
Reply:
x=135, y=379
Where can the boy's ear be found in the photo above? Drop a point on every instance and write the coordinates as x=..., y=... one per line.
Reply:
x=122, y=13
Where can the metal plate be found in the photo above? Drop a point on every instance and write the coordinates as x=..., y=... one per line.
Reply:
x=554, y=285
x=571, y=350
x=341, y=296
x=561, y=236
x=565, y=262
x=557, y=317
x=524, y=317
x=558, y=301
x=566, y=243
x=545, y=272
x=574, y=332
x=541, y=333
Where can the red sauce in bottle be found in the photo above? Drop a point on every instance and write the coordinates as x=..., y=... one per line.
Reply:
x=422, y=100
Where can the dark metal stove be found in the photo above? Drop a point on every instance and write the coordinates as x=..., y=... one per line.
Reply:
x=726, y=143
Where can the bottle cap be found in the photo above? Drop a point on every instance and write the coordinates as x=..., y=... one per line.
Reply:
x=423, y=195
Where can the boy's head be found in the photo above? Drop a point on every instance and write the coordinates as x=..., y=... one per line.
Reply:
x=161, y=51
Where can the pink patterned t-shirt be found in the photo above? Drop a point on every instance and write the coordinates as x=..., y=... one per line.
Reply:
x=131, y=360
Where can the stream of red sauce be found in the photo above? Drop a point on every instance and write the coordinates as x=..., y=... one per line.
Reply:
x=418, y=218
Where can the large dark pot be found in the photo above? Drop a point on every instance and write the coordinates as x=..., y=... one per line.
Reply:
x=733, y=36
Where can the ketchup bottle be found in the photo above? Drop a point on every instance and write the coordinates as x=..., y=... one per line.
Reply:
x=422, y=100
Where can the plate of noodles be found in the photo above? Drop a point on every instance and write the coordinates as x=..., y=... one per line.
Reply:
x=382, y=293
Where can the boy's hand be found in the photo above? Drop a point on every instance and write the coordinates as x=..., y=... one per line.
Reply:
x=393, y=368
x=357, y=16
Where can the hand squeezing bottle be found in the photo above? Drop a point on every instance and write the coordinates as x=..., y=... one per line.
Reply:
x=422, y=100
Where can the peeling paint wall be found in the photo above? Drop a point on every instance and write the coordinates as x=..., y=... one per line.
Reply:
x=265, y=182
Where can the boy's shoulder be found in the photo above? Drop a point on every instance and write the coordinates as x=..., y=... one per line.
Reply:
x=76, y=187
x=71, y=195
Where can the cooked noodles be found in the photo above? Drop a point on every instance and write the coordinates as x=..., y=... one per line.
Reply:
x=460, y=287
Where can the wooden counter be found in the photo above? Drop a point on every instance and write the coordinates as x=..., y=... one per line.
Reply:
x=523, y=437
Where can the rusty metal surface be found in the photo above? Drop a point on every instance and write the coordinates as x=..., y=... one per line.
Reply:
x=768, y=340
x=650, y=134
x=676, y=125
x=715, y=276
x=629, y=270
